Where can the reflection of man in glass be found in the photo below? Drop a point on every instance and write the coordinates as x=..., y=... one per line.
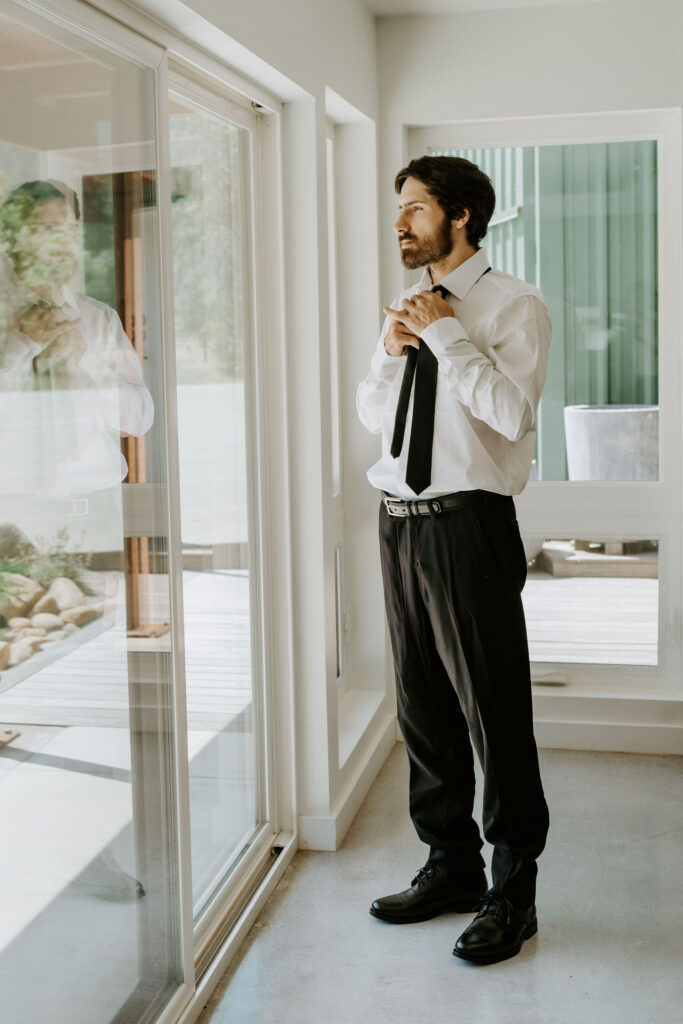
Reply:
x=70, y=346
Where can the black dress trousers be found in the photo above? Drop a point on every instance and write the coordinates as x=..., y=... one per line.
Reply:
x=452, y=586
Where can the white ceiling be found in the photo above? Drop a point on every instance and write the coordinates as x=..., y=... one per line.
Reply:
x=388, y=7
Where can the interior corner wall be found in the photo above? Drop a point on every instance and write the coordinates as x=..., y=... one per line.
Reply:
x=565, y=59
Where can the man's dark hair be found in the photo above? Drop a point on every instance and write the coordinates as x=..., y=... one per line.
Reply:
x=457, y=185
x=20, y=202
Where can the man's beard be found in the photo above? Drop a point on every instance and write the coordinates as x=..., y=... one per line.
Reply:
x=430, y=250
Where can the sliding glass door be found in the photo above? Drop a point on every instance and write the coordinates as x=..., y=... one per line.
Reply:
x=134, y=744
x=89, y=859
x=212, y=190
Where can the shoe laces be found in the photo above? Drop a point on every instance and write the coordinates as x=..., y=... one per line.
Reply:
x=424, y=874
x=494, y=903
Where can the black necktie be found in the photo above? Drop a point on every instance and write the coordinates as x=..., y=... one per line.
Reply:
x=421, y=364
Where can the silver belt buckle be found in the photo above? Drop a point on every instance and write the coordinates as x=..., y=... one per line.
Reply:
x=389, y=504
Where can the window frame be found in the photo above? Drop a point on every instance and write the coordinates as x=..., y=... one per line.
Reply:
x=612, y=509
x=212, y=919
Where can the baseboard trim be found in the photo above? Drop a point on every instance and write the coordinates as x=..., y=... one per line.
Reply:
x=627, y=724
x=610, y=736
x=622, y=724
x=327, y=832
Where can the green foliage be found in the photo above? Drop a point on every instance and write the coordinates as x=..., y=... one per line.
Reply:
x=210, y=248
x=98, y=238
x=44, y=566
x=100, y=280
x=18, y=565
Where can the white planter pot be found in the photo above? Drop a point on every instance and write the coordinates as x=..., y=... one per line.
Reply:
x=612, y=442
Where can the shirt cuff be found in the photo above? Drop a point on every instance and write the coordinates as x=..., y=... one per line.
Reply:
x=442, y=333
x=384, y=365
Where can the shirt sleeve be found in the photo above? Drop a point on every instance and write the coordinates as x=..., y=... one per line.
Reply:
x=17, y=352
x=132, y=408
x=501, y=386
x=378, y=393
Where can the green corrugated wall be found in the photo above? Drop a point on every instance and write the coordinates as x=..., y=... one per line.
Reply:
x=580, y=222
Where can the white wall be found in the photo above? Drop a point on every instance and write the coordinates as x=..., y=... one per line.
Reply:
x=287, y=47
x=313, y=42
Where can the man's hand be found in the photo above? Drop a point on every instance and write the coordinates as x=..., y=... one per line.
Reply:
x=67, y=349
x=59, y=337
x=398, y=338
x=420, y=311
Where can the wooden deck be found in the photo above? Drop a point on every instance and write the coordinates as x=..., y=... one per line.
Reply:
x=599, y=621
x=603, y=621
x=88, y=685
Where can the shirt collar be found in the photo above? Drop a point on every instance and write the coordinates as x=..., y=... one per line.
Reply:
x=460, y=280
x=69, y=300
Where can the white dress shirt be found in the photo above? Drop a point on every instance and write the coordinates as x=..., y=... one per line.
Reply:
x=492, y=358
x=70, y=426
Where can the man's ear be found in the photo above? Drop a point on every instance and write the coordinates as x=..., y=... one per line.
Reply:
x=459, y=222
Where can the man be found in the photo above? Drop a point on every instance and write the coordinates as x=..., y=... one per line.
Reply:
x=70, y=379
x=453, y=563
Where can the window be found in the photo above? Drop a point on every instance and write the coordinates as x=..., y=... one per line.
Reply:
x=580, y=222
x=586, y=211
x=87, y=788
x=135, y=633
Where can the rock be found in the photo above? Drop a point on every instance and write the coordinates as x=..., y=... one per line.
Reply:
x=81, y=615
x=20, y=591
x=47, y=621
x=14, y=543
x=9, y=634
x=46, y=604
x=70, y=629
x=23, y=649
x=53, y=638
x=10, y=605
x=66, y=594
x=31, y=631
x=27, y=590
x=19, y=623
x=5, y=654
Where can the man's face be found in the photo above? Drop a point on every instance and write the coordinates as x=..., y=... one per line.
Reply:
x=46, y=248
x=424, y=230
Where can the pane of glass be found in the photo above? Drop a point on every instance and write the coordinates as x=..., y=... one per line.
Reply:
x=592, y=601
x=580, y=223
x=89, y=930
x=211, y=250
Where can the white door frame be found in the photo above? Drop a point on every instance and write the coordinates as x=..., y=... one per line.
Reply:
x=613, y=509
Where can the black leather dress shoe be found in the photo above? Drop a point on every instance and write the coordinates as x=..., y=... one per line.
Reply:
x=433, y=891
x=497, y=932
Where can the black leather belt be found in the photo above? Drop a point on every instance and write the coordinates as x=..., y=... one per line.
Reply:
x=435, y=506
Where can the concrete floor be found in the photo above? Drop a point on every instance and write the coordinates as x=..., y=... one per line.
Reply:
x=610, y=906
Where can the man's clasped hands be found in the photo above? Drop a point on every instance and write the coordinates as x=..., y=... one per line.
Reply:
x=408, y=323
